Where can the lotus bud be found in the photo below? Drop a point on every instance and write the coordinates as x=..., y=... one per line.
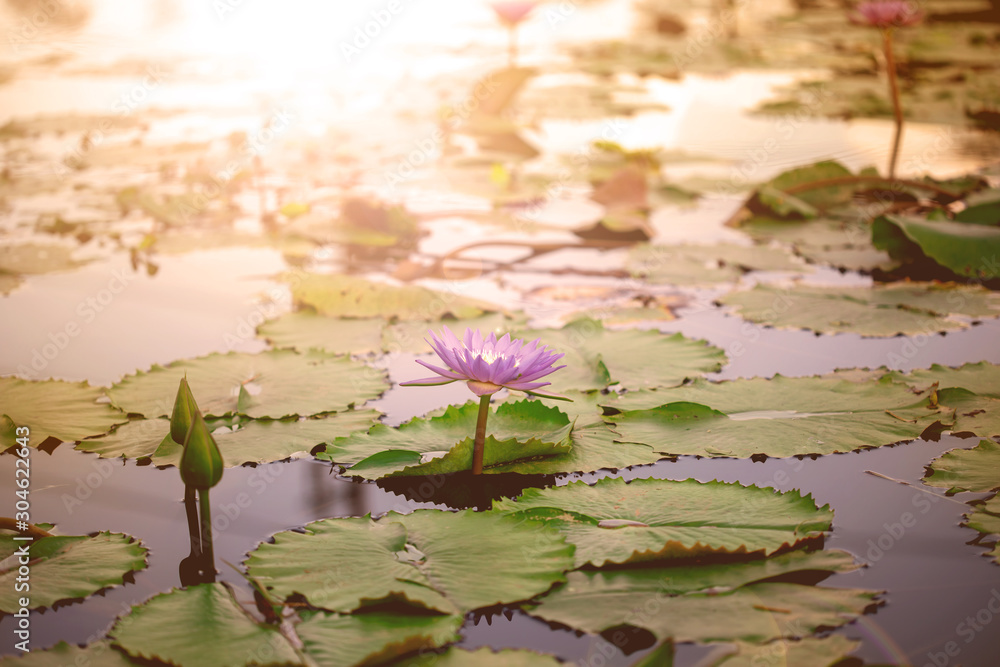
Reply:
x=201, y=462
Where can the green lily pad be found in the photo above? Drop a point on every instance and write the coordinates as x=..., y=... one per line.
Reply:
x=483, y=657
x=708, y=603
x=367, y=639
x=201, y=625
x=63, y=655
x=821, y=198
x=53, y=409
x=982, y=208
x=698, y=264
x=8, y=283
x=906, y=308
x=986, y=518
x=307, y=330
x=976, y=469
x=596, y=357
x=68, y=567
x=274, y=384
x=517, y=433
x=820, y=415
x=255, y=441
x=347, y=296
x=818, y=652
x=411, y=335
x=429, y=558
x=982, y=378
x=969, y=250
x=965, y=412
x=823, y=241
x=614, y=522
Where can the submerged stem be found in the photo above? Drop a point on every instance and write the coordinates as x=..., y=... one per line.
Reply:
x=897, y=108
x=477, y=451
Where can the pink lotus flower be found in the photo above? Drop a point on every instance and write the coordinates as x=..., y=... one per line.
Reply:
x=512, y=13
x=488, y=365
x=886, y=14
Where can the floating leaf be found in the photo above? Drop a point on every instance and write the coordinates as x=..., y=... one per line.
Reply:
x=906, y=308
x=36, y=258
x=705, y=603
x=817, y=652
x=347, y=296
x=307, y=330
x=823, y=197
x=410, y=336
x=254, y=441
x=8, y=283
x=67, y=567
x=63, y=655
x=365, y=639
x=516, y=431
x=596, y=357
x=694, y=264
x=55, y=409
x=285, y=383
x=464, y=561
x=966, y=412
x=968, y=250
x=982, y=378
x=976, y=469
x=614, y=522
x=201, y=625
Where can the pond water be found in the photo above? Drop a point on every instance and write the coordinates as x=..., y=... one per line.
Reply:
x=352, y=125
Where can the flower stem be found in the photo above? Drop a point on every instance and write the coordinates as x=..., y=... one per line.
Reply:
x=206, y=531
x=897, y=108
x=511, y=45
x=477, y=451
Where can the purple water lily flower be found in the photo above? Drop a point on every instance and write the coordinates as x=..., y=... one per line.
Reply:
x=489, y=364
x=887, y=14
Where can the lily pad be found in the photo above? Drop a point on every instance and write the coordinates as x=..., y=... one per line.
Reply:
x=307, y=330
x=201, y=625
x=982, y=378
x=274, y=384
x=614, y=522
x=906, y=308
x=698, y=264
x=54, y=409
x=818, y=652
x=429, y=558
x=36, y=258
x=736, y=418
x=517, y=434
x=68, y=567
x=348, y=296
x=969, y=250
x=255, y=441
x=596, y=357
x=8, y=283
x=708, y=603
x=63, y=654
x=410, y=335
x=976, y=469
x=332, y=640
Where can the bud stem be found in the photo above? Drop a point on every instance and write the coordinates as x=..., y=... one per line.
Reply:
x=897, y=109
x=477, y=451
x=207, y=552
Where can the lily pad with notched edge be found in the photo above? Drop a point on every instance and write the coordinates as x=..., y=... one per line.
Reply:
x=986, y=519
x=68, y=567
x=982, y=378
x=429, y=558
x=252, y=441
x=308, y=330
x=333, y=640
x=967, y=249
x=735, y=418
x=483, y=657
x=906, y=308
x=53, y=409
x=614, y=522
x=709, y=602
x=201, y=625
x=976, y=469
x=817, y=652
x=596, y=357
x=274, y=384
x=518, y=434
x=63, y=655
x=348, y=296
